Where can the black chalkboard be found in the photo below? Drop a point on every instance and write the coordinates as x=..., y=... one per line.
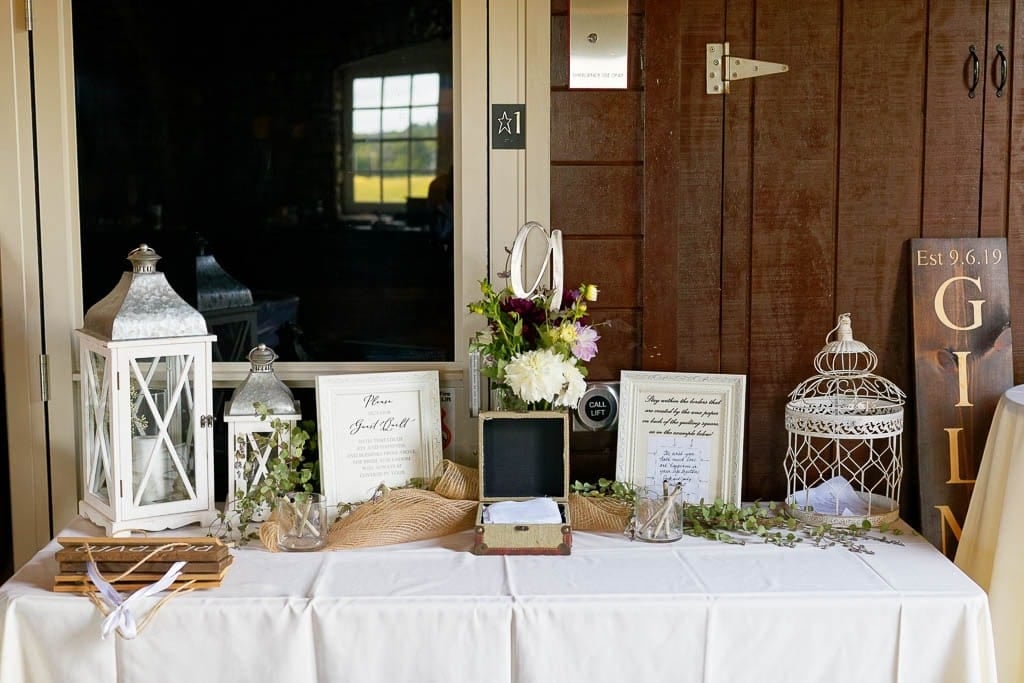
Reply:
x=523, y=457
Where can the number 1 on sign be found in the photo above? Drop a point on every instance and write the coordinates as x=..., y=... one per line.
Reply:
x=508, y=126
x=505, y=123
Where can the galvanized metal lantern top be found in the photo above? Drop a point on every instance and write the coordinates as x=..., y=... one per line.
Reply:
x=216, y=288
x=143, y=306
x=262, y=386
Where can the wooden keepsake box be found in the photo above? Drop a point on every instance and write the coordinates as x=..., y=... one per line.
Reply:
x=523, y=455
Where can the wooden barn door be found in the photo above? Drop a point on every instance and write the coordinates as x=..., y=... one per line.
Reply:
x=771, y=210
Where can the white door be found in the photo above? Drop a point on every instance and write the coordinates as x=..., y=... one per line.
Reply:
x=50, y=278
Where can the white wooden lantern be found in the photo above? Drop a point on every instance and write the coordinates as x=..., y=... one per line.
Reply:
x=844, y=462
x=248, y=454
x=146, y=393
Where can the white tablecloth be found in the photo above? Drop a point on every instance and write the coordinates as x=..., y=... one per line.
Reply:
x=614, y=610
x=991, y=550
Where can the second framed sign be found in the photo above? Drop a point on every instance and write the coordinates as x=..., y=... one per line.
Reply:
x=379, y=428
x=683, y=428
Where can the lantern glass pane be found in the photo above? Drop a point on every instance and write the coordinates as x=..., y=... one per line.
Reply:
x=257, y=455
x=162, y=407
x=96, y=384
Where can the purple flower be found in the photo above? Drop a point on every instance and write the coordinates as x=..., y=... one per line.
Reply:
x=531, y=314
x=585, y=346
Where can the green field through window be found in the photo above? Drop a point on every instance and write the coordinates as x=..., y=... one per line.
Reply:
x=396, y=189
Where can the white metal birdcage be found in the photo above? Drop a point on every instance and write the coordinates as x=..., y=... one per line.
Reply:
x=844, y=462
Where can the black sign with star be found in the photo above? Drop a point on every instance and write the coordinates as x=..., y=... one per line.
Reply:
x=508, y=126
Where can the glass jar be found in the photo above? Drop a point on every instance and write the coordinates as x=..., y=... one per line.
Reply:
x=658, y=518
x=301, y=521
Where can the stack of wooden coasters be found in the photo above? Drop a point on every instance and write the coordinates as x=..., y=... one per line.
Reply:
x=206, y=558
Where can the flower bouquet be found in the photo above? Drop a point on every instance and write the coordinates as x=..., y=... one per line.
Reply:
x=534, y=349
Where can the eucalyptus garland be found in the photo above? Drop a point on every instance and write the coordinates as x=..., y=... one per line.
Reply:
x=769, y=523
x=606, y=488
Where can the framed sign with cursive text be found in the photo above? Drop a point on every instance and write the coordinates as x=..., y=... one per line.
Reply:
x=683, y=428
x=376, y=428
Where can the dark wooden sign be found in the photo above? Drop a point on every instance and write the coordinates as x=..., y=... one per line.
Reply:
x=962, y=365
x=132, y=563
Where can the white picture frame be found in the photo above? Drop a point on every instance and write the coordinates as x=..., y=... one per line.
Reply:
x=376, y=428
x=686, y=428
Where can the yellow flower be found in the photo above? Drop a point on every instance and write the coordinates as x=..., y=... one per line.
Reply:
x=590, y=292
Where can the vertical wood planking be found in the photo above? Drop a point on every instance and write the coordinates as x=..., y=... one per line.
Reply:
x=617, y=307
x=996, y=131
x=682, y=189
x=737, y=170
x=793, y=248
x=595, y=127
x=737, y=221
x=953, y=142
x=536, y=49
x=596, y=201
x=596, y=186
x=619, y=346
x=768, y=212
x=663, y=39
x=588, y=259
x=880, y=181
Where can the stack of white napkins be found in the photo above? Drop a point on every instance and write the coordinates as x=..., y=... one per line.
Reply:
x=533, y=511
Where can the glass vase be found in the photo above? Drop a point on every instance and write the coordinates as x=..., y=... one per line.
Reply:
x=503, y=398
x=301, y=521
x=659, y=518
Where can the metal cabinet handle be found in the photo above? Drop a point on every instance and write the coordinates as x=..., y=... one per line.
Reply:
x=975, y=72
x=1001, y=56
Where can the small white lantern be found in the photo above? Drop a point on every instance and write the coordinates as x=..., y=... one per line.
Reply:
x=146, y=396
x=844, y=462
x=247, y=453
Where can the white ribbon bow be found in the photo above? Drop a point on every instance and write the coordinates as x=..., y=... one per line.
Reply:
x=120, y=617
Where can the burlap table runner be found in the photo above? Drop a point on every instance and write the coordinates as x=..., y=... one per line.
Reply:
x=403, y=515
x=598, y=513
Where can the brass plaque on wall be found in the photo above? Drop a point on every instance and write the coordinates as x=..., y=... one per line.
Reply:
x=962, y=365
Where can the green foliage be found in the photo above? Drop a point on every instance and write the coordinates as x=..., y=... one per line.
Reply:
x=770, y=523
x=728, y=523
x=606, y=488
x=559, y=333
x=288, y=470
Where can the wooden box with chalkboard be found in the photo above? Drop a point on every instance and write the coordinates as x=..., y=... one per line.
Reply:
x=523, y=456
